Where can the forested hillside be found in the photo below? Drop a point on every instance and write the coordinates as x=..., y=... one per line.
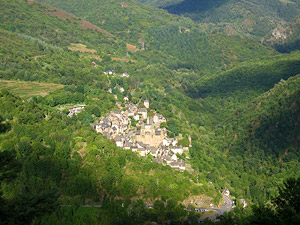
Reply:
x=270, y=123
x=285, y=38
x=265, y=136
x=49, y=159
x=237, y=99
x=249, y=18
x=258, y=76
x=195, y=48
x=160, y=3
x=233, y=95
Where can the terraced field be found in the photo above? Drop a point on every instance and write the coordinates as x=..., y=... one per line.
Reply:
x=25, y=89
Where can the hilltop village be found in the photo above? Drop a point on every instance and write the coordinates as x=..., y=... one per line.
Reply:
x=139, y=130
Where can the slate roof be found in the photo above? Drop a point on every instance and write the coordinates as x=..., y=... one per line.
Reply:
x=157, y=133
x=171, y=153
x=127, y=145
x=167, y=158
x=142, y=144
x=157, y=160
x=153, y=151
x=174, y=164
x=106, y=120
x=142, y=110
x=153, y=148
x=118, y=138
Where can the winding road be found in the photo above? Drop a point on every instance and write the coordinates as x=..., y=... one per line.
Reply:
x=219, y=211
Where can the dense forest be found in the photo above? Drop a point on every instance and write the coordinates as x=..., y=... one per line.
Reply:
x=285, y=39
x=253, y=19
x=236, y=98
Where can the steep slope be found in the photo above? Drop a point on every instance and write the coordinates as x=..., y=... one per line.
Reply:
x=271, y=123
x=266, y=135
x=157, y=32
x=160, y=3
x=61, y=160
x=51, y=153
x=243, y=145
x=256, y=144
x=195, y=7
x=285, y=38
x=257, y=76
x=178, y=70
x=250, y=18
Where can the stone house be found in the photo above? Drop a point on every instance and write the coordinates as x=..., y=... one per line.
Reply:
x=136, y=117
x=147, y=103
x=181, y=165
x=132, y=107
x=174, y=165
x=142, y=152
x=75, y=110
x=143, y=112
x=177, y=149
x=173, y=155
x=226, y=192
x=161, y=118
x=109, y=72
x=119, y=141
x=124, y=75
x=155, y=118
x=127, y=145
x=167, y=159
x=157, y=160
x=130, y=113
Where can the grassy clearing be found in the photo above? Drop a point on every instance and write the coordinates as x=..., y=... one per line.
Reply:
x=201, y=201
x=26, y=88
x=131, y=48
x=85, y=52
x=81, y=48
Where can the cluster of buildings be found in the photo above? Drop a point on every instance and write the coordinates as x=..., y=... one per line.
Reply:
x=112, y=73
x=75, y=110
x=109, y=72
x=132, y=128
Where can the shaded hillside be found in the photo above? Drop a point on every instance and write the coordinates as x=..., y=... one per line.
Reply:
x=194, y=6
x=269, y=127
x=256, y=142
x=285, y=38
x=245, y=147
x=160, y=3
x=250, y=18
x=256, y=76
